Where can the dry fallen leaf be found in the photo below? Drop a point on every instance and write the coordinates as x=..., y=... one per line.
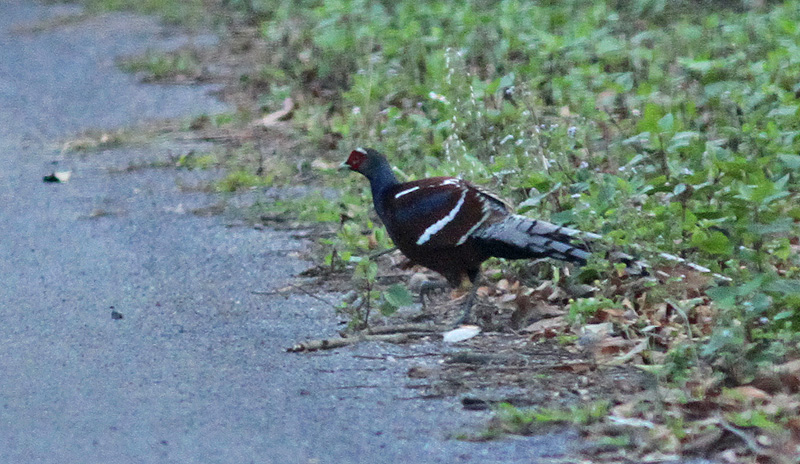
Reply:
x=751, y=392
x=547, y=328
x=543, y=309
x=465, y=332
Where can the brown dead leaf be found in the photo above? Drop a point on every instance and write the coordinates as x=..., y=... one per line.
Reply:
x=523, y=308
x=769, y=383
x=699, y=409
x=702, y=443
x=749, y=391
x=612, y=346
x=372, y=242
x=557, y=294
x=791, y=382
x=794, y=425
x=507, y=298
x=609, y=314
x=546, y=328
x=543, y=309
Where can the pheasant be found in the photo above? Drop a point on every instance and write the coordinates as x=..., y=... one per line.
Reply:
x=452, y=226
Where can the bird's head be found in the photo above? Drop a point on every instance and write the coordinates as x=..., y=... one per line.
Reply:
x=367, y=161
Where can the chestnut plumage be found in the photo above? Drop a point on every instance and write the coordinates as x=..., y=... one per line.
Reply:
x=451, y=226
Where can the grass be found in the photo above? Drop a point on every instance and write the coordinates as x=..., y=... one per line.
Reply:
x=164, y=65
x=184, y=12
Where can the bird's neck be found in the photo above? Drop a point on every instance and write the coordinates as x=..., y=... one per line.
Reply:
x=381, y=180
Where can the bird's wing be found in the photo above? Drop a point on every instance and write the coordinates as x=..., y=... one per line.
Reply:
x=438, y=212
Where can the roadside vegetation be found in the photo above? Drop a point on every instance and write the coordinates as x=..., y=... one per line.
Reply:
x=665, y=126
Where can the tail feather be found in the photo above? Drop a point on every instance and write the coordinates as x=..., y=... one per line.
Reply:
x=519, y=237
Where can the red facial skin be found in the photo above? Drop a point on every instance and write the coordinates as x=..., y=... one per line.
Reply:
x=355, y=159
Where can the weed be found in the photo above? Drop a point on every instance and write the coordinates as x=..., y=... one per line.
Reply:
x=185, y=12
x=164, y=65
x=510, y=419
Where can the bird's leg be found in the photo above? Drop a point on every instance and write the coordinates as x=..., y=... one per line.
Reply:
x=473, y=293
x=428, y=287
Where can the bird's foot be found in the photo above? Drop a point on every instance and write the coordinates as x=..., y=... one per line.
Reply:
x=466, y=314
x=427, y=289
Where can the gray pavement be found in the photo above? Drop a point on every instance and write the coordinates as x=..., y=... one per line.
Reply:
x=196, y=370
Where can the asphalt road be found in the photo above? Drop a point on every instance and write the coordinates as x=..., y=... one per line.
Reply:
x=196, y=371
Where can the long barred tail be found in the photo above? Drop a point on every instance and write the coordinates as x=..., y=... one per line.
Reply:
x=519, y=237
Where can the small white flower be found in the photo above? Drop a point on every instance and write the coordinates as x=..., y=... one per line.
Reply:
x=572, y=131
x=356, y=110
x=583, y=165
x=506, y=139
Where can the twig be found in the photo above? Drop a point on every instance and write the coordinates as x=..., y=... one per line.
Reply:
x=408, y=356
x=296, y=287
x=378, y=254
x=747, y=439
x=406, y=328
x=338, y=342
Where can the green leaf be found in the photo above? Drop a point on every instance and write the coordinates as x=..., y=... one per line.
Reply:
x=783, y=110
x=715, y=243
x=507, y=80
x=650, y=121
x=387, y=309
x=791, y=161
x=493, y=86
x=776, y=227
x=785, y=286
x=666, y=123
x=563, y=217
x=724, y=297
x=398, y=296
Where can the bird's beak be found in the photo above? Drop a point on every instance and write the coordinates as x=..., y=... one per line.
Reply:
x=344, y=167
